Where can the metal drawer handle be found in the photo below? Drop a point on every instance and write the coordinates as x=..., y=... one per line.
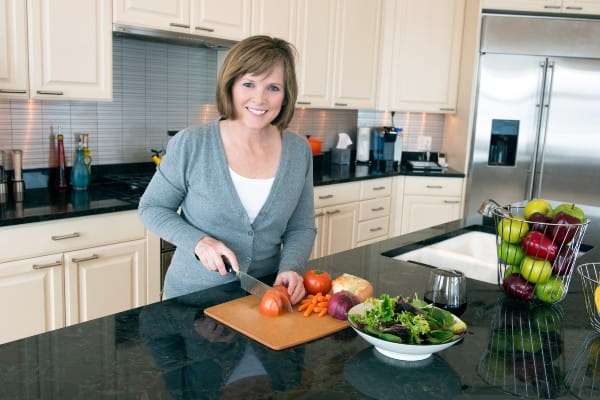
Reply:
x=69, y=236
x=201, y=28
x=553, y=7
x=378, y=209
x=12, y=91
x=178, y=25
x=327, y=196
x=52, y=92
x=50, y=265
x=447, y=109
x=303, y=102
x=574, y=8
x=376, y=229
x=451, y=201
x=341, y=104
x=319, y=215
x=92, y=257
x=333, y=212
x=434, y=186
x=379, y=188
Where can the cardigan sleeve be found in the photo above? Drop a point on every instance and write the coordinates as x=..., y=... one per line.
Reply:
x=165, y=193
x=299, y=236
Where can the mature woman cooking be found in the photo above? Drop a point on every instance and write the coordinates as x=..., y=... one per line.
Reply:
x=244, y=183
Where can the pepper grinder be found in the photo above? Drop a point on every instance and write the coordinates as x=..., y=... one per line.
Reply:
x=18, y=184
x=3, y=178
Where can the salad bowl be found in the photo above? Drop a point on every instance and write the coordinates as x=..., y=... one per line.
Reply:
x=399, y=351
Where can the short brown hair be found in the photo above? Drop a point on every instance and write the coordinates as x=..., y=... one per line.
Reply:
x=257, y=55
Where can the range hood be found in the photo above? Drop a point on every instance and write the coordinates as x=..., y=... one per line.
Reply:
x=181, y=38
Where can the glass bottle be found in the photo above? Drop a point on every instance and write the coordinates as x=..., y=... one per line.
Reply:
x=87, y=154
x=61, y=179
x=80, y=176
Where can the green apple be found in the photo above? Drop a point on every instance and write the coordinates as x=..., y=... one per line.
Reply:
x=546, y=317
x=570, y=209
x=512, y=230
x=510, y=253
x=535, y=270
x=537, y=205
x=512, y=269
x=550, y=291
x=527, y=341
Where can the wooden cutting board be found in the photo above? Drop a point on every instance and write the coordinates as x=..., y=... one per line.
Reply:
x=278, y=333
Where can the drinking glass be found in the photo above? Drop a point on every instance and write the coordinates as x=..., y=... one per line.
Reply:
x=447, y=289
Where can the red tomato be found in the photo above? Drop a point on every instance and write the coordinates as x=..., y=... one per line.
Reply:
x=271, y=303
x=316, y=281
x=283, y=290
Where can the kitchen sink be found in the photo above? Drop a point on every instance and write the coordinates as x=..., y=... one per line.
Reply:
x=471, y=250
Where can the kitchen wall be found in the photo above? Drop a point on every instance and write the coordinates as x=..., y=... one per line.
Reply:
x=158, y=87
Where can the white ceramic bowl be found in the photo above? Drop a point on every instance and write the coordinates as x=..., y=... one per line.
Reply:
x=399, y=351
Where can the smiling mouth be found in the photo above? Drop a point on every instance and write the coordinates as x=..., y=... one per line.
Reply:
x=255, y=111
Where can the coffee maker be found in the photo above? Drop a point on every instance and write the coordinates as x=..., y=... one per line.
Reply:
x=383, y=143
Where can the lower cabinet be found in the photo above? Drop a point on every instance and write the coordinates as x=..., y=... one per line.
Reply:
x=336, y=229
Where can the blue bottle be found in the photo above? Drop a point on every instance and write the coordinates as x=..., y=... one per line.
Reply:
x=80, y=174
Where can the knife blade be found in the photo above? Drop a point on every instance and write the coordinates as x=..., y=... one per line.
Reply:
x=253, y=286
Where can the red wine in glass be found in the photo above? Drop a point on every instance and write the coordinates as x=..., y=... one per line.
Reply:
x=456, y=309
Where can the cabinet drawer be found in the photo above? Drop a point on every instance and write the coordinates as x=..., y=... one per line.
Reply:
x=433, y=186
x=374, y=208
x=373, y=228
x=375, y=188
x=336, y=194
x=41, y=238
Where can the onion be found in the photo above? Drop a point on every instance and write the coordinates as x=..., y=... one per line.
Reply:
x=340, y=303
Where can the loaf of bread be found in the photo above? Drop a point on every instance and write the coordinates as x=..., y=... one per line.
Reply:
x=359, y=287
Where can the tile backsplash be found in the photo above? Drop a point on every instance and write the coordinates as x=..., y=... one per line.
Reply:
x=159, y=87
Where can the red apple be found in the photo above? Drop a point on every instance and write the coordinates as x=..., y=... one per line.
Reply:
x=563, y=263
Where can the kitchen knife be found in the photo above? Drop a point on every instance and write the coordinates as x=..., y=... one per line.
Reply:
x=253, y=286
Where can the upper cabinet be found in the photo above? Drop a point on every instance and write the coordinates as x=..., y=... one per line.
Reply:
x=591, y=7
x=220, y=19
x=338, y=44
x=14, y=80
x=65, y=54
x=275, y=18
x=420, y=55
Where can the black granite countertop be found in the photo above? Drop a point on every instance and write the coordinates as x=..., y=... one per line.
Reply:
x=118, y=188
x=169, y=350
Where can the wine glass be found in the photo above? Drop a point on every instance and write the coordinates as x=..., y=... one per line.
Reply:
x=447, y=289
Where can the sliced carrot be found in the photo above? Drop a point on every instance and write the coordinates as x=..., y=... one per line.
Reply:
x=304, y=306
x=309, y=310
x=323, y=312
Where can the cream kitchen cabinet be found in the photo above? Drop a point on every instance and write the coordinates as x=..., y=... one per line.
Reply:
x=228, y=20
x=275, y=18
x=67, y=271
x=14, y=80
x=56, y=49
x=336, y=215
x=420, y=55
x=338, y=43
x=591, y=7
x=374, y=210
x=430, y=201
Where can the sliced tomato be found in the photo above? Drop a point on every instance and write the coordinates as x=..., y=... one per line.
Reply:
x=316, y=281
x=271, y=303
x=283, y=290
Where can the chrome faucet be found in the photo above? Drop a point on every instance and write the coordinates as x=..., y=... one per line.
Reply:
x=489, y=207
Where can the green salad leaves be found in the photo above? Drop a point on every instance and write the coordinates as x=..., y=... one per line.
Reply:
x=407, y=320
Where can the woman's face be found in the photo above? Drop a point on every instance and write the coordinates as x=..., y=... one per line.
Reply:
x=257, y=99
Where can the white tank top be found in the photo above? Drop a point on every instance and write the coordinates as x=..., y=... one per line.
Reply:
x=252, y=192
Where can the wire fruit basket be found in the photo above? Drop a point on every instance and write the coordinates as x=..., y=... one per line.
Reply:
x=535, y=259
x=525, y=353
x=583, y=376
x=590, y=280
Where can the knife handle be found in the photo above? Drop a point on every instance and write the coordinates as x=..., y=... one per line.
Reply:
x=228, y=266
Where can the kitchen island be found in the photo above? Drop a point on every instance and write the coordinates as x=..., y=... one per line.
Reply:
x=170, y=350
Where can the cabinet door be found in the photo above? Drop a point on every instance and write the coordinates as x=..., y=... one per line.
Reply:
x=591, y=7
x=357, y=53
x=420, y=212
x=31, y=297
x=421, y=56
x=104, y=280
x=13, y=49
x=317, y=250
x=70, y=49
x=159, y=14
x=224, y=19
x=275, y=18
x=340, y=228
x=523, y=5
x=315, y=43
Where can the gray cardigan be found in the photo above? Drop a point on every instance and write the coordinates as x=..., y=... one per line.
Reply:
x=194, y=175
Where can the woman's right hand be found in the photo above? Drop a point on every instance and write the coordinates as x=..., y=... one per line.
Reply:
x=211, y=251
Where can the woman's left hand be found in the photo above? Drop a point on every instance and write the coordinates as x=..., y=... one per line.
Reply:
x=294, y=283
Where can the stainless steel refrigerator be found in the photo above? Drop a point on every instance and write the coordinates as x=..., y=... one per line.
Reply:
x=537, y=115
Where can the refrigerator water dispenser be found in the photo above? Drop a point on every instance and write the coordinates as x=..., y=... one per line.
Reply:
x=503, y=142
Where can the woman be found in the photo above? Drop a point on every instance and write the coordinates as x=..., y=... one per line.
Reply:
x=244, y=184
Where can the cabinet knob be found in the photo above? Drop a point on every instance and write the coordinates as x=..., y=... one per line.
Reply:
x=574, y=8
x=447, y=109
x=202, y=28
x=341, y=104
x=304, y=103
x=52, y=92
x=69, y=236
x=49, y=265
x=178, y=25
x=451, y=201
x=82, y=259
x=12, y=91
x=434, y=186
x=377, y=209
x=376, y=229
x=379, y=188
x=327, y=196
x=333, y=212
x=552, y=7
